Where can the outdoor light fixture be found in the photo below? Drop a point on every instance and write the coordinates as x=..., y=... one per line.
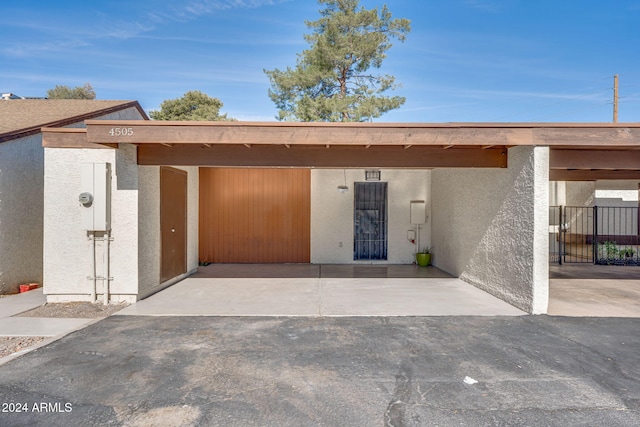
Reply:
x=343, y=187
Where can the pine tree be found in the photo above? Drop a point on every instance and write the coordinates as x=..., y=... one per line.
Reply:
x=332, y=81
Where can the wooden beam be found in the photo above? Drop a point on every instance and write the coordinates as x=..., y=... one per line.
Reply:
x=594, y=159
x=592, y=175
x=69, y=138
x=593, y=136
x=135, y=131
x=319, y=157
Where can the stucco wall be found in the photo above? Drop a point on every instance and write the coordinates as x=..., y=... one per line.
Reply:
x=623, y=193
x=490, y=227
x=135, y=215
x=22, y=206
x=67, y=248
x=21, y=191
x=332, y=213
x=149, y=228
x=580, y=193
x=149, y=249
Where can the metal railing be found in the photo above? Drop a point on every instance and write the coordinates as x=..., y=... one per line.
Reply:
x=597, y=235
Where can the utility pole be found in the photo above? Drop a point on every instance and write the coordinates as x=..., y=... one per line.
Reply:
x=615, y=99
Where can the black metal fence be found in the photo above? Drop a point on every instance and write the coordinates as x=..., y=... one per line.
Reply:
x=597, y=235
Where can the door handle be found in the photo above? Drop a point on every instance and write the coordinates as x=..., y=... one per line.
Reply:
x=173, y=230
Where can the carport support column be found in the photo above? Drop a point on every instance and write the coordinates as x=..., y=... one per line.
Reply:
x=540, y=285
x=490, y=227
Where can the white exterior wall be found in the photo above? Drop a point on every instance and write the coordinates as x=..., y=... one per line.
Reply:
x=580, y=193
x=135, y=216
x=67, y=249
x=490, y=227
x=22, y=206
x=21, y=192
x=149, y=250
x=622, y=193
x=332, y=214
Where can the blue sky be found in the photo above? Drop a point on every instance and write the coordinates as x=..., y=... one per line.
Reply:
x=464, y=60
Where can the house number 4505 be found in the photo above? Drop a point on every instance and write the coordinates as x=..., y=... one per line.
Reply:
x=121, y=132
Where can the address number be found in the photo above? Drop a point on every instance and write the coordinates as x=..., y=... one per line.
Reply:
x=121, y=132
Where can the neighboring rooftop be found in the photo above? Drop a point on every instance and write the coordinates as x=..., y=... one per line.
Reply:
x=7, y=96
x=21, y=117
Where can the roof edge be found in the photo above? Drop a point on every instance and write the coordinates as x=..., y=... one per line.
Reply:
x=21, y=133
x=400, y=125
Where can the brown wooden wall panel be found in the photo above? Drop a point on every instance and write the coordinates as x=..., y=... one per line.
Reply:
x=173, y=222
x=255, y=215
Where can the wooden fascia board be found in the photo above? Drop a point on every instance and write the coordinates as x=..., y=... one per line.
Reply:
x=367, y=134
x=69, y=138
x=319, y=157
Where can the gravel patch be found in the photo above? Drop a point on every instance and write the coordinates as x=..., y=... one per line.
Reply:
x=10, y=345
x=69, y=310
x=77, y=310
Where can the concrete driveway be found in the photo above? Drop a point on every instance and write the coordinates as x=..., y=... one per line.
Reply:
x=331, y=371
x=594, y=290
x=321, y=290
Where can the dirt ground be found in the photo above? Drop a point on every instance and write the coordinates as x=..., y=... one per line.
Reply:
x=78, y=310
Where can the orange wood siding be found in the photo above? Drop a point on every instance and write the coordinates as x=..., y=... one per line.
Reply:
x=254, y=215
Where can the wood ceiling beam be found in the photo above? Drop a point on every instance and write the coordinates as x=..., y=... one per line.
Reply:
x=319, y=157
x=594, y=159
x=69, y=138
x=592, y=175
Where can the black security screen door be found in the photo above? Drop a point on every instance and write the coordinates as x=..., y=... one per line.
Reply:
x=370, y=221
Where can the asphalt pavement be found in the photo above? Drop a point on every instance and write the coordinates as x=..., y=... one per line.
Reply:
x=331, y=371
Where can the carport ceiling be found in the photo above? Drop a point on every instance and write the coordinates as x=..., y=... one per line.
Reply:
x=611, y=147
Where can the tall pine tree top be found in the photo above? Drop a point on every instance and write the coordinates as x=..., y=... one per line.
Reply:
x=332, y=79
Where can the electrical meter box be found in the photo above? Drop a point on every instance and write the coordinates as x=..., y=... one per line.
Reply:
x=418, y=212
x=95, y=196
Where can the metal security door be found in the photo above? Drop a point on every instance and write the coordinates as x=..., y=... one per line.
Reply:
x=370, y=221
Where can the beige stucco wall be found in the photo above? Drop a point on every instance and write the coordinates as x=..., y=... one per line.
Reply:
x=67, y=249
x=21, y=191
x=22, y=206
x=149, y=227
x=622, y=193
x=134, y=249
x=490, y=227
x=135, y=213
x=332, y=213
